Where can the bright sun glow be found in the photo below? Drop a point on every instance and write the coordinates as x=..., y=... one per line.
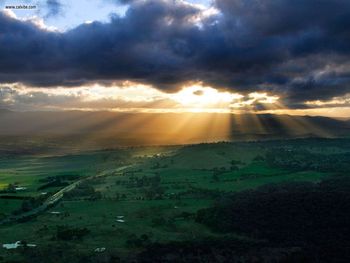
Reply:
x=204, y=97
x=131, y=96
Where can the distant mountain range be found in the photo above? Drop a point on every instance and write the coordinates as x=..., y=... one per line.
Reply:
x=112, y=128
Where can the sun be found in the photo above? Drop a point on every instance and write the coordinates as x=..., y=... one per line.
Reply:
x=201, y=97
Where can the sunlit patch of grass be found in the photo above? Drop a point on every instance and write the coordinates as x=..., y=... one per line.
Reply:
x=3, y=186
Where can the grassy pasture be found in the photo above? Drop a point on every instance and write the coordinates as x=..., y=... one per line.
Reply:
x=183, y=170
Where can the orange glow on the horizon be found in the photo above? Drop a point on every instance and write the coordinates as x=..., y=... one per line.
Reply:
x=135, y=97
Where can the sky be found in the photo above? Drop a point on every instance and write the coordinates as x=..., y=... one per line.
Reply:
x=261, y=56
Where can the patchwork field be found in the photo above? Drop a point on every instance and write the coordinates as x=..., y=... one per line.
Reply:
x=122, y=200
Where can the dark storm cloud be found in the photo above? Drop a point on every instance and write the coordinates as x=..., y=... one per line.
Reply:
x=54, y=8
x=281, y=46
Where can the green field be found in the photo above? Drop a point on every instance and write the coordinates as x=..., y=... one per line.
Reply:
x=155, y=191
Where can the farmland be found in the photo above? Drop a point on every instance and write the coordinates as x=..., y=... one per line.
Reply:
x=126, y=200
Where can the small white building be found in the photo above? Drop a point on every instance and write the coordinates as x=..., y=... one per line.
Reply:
x=16, y=245
x=55, y=213
x=12, y=245
x=100, y=249
x=18, y=188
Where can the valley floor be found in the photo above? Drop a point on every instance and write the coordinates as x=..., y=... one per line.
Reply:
x=118, y=205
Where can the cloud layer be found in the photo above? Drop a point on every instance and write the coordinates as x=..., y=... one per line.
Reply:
x=297, y=49
x=130, y=97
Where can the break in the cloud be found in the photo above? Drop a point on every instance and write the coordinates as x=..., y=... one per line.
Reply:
x=297, y=50
x=128, y=96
